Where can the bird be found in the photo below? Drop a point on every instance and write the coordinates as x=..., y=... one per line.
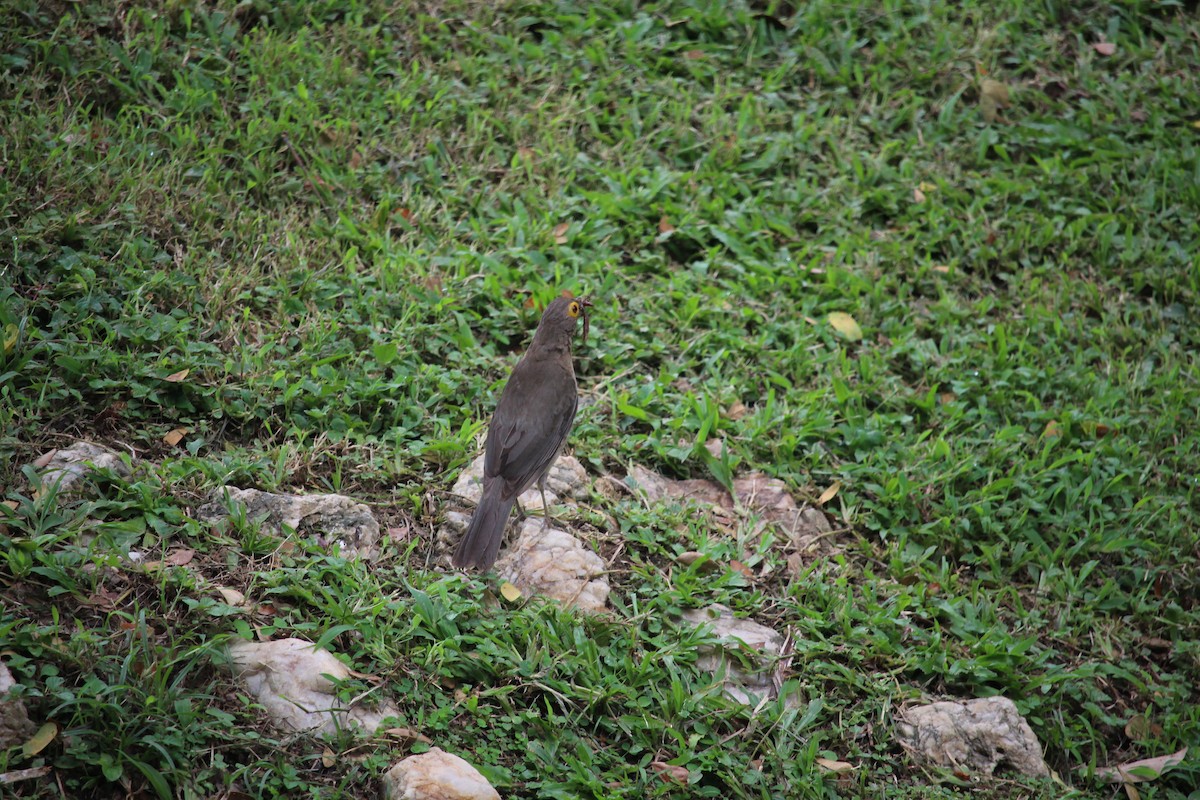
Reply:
x=527, y=431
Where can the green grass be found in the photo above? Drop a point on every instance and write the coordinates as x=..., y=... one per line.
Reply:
x=341, y=217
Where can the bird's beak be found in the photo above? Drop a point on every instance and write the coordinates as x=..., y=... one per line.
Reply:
x=585, y=303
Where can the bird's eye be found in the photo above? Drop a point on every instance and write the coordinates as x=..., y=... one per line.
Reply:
x=573, y=310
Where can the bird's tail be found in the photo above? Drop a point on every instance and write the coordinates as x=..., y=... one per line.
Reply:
x=481, y=543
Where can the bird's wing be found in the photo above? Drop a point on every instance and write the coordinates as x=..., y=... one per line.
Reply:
x=529, y=427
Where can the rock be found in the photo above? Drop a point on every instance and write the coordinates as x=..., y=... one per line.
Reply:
x=552, y=562
x=760, y=646
x=436, y=775
x=332, y=520
x=975, y=735
x=566, y=478
x=68, y=466
x=769, y=497
x=656, y=487
x=287, y=677
x=15, y=725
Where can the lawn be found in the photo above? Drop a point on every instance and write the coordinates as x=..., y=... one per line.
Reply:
x=298, y=247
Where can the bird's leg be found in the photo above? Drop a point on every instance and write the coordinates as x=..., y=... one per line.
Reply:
x=545, y=505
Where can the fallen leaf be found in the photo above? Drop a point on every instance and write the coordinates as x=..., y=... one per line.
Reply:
x=327, y=758
x=845, y=325
x=736, y=411
x=1051, y=428
x=738, y=566
x=45, y=458
x=829, y=493
x=509, y=592
x=407, y=734
x=715, y=448
x=993, y=96
x=560, y=232
x=176, y=377
x=177, y=558
x=693, y=54
x=693, y=556
x=11, y=332
x=947, y=397
x=525, y=153
x=1139, y=728
x=940, y=268
x=37, y=743
x=918, y=195
x=835, y=766
x=670, y=772
x=406, y=214
x=665, y=226
x=176, y=436
x=1104, y=48
x=1146, y=769
x=232, y=597
x=926, y=186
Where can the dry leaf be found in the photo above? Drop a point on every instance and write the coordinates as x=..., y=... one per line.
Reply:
x=406, y=214
x=693, y=54
x=327, y=758
x=525, y=153
x=665, y=226
x=560, y=232
x=715, y=448
x=738, y=566
x=1104, y=48
x=736, y=411
x=177, y=558
x=1146, y=769
x=995, y=90
x=940, y=268
x=1051, y=428
x=509, y=592
x=1141, y=728
x=670, y=772
x=37, y=743
x=918, y=195
x=45, y=458
x=407, y=734
x=176, y=377
x=232, y=597
x=175, y=437
x=835, y=766
x=845, y=325
x=11, y=334
x=829, y=493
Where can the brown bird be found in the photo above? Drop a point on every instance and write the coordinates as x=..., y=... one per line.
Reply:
x=528, y=430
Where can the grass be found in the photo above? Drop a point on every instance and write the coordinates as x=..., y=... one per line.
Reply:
x=340, y=219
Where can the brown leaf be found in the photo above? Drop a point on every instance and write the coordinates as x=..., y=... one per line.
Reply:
x=1051, y=429
x=736, y=411
x=835, y=766
x=1104, y=48
x=407, y=734
x=1139, y=728
x=328, y=759
x=829, y=493
x=177, y=558
x=918, y=195
x=44, y=459
x=525, y=153
x=1146, y=769
x=176, y=377
x=738, y=566
x=176, y=436
x=693, y=54
x=692, y=556
x=560, y=232
x=669, y=772
x=232, y=597
x=665, y=226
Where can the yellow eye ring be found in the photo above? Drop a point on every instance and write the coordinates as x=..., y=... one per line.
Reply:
x=573, y=309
